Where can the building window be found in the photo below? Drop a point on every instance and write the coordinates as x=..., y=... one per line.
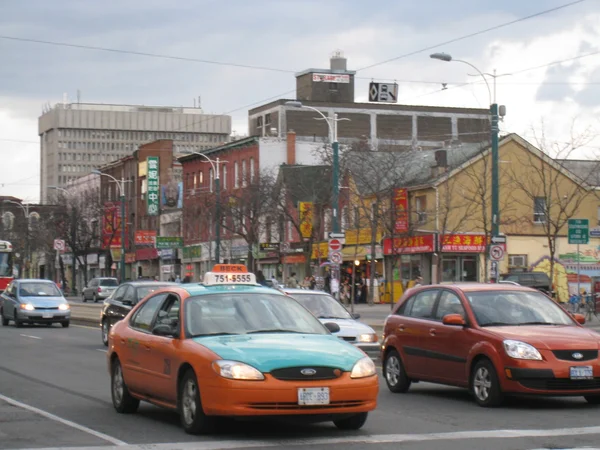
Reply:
x=517, y=261
x=244, y=174
x=224, y=180
x=259, y=122
x=267, y=120
x=236, y=175
x=356, y=218
x=251, y=170
x=421, y=209
x=290, y=236
x=539, y=210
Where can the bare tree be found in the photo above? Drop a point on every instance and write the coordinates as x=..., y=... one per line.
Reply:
x=245, y=209
x=551, y=188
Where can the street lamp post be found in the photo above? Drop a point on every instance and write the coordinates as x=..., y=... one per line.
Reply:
x=25, y=209
x=216, y=170
x=121, y=186
x=494, y=132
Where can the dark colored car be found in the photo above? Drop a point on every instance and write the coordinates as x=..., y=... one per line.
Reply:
x=492, y=339
x=536, y=280
x=123, y=299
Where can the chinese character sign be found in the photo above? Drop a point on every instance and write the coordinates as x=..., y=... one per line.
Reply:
x=401, y=205
x=306, y=219
x=153, y=194
x=111, y=225
x=463, y=243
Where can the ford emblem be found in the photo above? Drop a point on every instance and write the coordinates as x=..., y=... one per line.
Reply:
x=577, y=355
x=308, y=372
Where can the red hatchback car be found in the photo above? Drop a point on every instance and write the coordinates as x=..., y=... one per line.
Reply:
x=493, y=339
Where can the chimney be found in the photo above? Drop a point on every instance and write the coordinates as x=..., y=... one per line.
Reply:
x=441, y=158
x=291, y=147
x=337, y=61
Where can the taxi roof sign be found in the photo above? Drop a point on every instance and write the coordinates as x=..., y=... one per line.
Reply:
x=231, y=268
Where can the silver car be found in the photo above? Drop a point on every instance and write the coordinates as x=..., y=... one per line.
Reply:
x=328, y=309
x=99, y=289
x=34, y=301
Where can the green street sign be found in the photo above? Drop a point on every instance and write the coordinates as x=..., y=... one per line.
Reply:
x=166, y=242
x=579, y=231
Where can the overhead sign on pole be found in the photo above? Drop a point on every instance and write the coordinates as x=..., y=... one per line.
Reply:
x=579, y=231
x=383, y=92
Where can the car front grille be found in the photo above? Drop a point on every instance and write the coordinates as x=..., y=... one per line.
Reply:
x=561, y=384
x=567, y=355
x=348, y=338
x=46, y=307
x=295, y=373
x=296, y=407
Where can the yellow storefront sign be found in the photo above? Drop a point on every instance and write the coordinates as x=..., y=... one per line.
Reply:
x=306, y=219
x=361, y=236
x=320, y=250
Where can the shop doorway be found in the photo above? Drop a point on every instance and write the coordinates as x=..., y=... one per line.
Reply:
x=460, y=268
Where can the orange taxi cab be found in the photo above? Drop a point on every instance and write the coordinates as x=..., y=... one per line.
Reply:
x=230, y=347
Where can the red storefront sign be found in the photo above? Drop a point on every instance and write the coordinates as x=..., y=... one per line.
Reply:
x=142, y=254
x=409, y=245
x=129, y=258
x=463, y=243
x=145, y=237
x=401, y=206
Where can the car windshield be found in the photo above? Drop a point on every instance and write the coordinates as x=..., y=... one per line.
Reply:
x=109, y=282
x=143, y=291
x=498, y=308
x=322, y=306
x=5, y=264
x=246, y=313
x=39, y=290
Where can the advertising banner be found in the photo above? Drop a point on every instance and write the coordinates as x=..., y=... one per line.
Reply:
x=153, y=194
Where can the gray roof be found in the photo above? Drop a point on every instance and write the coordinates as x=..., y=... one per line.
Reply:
x=586, y=170
x=378, y=171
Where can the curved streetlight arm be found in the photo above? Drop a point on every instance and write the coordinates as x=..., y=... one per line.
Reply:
x=58, y=188
x=119, y=183
x=24, y=208
x=480, y=73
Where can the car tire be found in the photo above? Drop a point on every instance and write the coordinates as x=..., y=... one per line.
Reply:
x=592, y=399
x=5, y=320
x=354, y=422
x=105, y=330
x=395, y=376
x=65, y=324
x=485, y=385
x=193, y=419
x=122, y=400
x=18, y=323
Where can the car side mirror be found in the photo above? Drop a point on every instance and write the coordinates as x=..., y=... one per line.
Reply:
x=165, y=330
x=332, y=327
x=355, y=315
x=454, y=319
x=580, y=318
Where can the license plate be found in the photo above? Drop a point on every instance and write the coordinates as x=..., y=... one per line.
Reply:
x=581, y=373
x=47, y=315
x=313, y=396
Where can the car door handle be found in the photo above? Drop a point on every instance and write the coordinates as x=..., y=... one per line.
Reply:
x=148, y=348
x=400, y=328
x=432, y=331
x=123, y=341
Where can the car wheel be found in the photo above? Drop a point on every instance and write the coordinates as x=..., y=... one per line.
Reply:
x=395, y=375
x=592, y=399
x=192, y=416
x=5, y=320
x=105, y=329
x=485, y=384
x=65, y=324
x=18, y=323
x=354, y=422
x=122, y=400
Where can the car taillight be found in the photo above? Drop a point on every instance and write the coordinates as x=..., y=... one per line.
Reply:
x=99, y=289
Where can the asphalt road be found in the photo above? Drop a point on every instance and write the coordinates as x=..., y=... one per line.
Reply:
x=54, y=393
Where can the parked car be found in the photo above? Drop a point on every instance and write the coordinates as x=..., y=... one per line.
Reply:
x=536, y=280
x=493, y=339
x=34, y=301
x=123, y=299
x=327, y=309
x=99, y=289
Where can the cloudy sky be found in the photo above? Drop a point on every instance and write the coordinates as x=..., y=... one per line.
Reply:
x=291, y=35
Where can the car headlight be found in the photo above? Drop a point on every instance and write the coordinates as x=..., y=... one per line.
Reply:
x=64, y=306
x=27, y=306
x=364, y=367
x=372, y=337
x=521, y=350
x=235, y=370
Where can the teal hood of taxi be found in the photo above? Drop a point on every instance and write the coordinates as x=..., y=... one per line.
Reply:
x=268, y=352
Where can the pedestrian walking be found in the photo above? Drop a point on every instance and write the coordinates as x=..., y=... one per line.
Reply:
x=292, y=281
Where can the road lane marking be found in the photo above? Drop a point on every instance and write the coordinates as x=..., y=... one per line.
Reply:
x=29, y=336
x=364, y=439
x=66, y=422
